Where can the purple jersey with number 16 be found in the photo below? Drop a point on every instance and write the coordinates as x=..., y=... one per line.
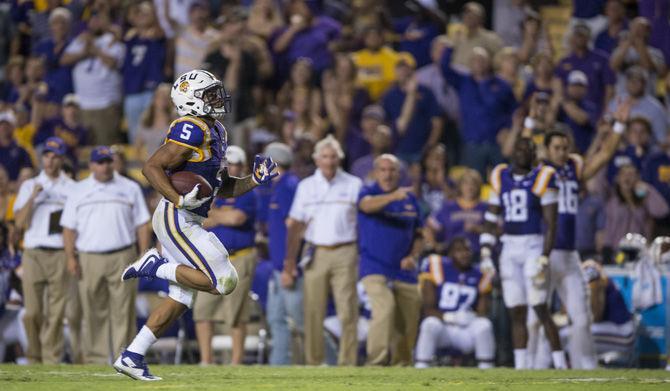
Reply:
x=567, y=182
x=209, y=146
x=521, y=197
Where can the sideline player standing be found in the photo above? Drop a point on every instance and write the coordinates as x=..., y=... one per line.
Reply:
x=527, y=197
x=565, y=273
x=192, y=258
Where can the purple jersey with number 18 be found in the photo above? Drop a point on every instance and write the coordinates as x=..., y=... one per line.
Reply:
x=521, y=197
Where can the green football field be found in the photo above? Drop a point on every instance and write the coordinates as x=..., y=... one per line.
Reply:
x=186, y=377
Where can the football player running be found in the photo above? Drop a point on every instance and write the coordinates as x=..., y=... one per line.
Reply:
x=455, y=300
x=565, y=274
x=191, y=258
x=526, y=196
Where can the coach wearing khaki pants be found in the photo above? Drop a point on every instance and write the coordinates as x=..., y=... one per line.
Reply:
x=324, y=214
x=105, y=221
x=389, y=238
x=232, y=221
x=37, y=209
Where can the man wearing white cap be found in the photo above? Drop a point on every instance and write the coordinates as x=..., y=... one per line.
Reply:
x=232, y=220
x=577, y=112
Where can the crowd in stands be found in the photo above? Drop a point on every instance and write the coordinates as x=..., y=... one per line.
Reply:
x=445, y=86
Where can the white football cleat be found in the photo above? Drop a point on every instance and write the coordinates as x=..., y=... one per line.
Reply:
x=133, y=365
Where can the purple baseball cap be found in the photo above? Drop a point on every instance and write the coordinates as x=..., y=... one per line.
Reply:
x=101, y=153
x=55, y=145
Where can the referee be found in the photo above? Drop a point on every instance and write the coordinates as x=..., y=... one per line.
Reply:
x=38, y=208
x=105, y=221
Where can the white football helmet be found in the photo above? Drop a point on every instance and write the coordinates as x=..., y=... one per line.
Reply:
x=200, y=93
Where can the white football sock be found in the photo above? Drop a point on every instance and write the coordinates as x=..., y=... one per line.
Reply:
x=485, y=365
x=167, y=271
x=143, y=340
x=558, y=358
x=519, y=358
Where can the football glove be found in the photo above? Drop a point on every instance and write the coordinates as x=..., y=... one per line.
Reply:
x=264, y=170
x=191, y=200
x=459, y=318
x=486, y=266
x=538, y=272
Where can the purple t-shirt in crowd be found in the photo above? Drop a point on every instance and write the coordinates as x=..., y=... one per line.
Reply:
x=606, y=43
x=658, y=12
x=597, y=69
x=72, y=136
x=311, y=43
x=582, y=133
x=587, y=9
x=58, y=77
x=451, y=220
x=590, y=219
x=13, y=158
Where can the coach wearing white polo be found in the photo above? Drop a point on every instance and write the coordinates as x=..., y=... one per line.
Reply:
x=104, y=223
x=37, y=209
x=324, y=214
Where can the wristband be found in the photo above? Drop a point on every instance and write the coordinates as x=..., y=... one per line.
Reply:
x=485, y=252
x=487, y=238
x=618, y=127
x=490, y=217
x=529, y=123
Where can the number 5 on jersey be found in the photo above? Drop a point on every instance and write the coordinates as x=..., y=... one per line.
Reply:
x=186, y=132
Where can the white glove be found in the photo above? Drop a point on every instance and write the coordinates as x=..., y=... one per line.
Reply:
x=459, y=318
x=191, y=200
x=539, y=271
x=486, y=266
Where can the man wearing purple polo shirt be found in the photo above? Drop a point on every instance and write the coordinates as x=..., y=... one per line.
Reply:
x=306, y=36
x=486, y=106
x=389, y=267
x=594, y=65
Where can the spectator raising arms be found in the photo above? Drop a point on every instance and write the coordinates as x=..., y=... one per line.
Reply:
x=96, y=56
x=474, y=35
x=486, y=103
x=308, y=36
x=264, y=18
x=144, y=64
x=51, y=49
x=413, y=113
